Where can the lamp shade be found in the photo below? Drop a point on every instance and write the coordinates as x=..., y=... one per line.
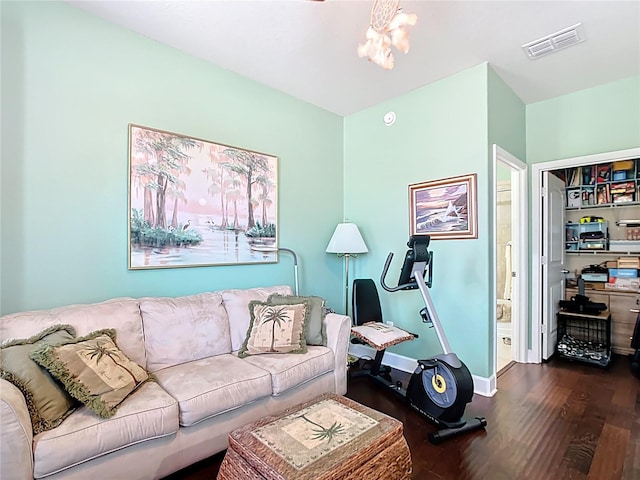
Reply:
x=347, y=239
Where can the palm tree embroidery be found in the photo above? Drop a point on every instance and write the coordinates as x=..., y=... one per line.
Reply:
x=322, y=433
x=276, y=315
x=103, y=349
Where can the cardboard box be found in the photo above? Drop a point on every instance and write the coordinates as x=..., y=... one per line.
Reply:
x=625, y=262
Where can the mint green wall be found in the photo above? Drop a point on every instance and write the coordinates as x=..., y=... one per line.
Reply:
x=507, y=128
x=71, y=83
x=600, y=119
x=507, y=117
x=440, y=131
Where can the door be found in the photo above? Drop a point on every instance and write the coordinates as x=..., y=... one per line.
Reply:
x=553, y=236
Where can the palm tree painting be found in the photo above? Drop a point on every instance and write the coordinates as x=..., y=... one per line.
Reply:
x=106, y=349
x=276, y=316
x=193, y=202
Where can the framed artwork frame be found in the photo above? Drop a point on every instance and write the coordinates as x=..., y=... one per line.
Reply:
x=194, y=202
x=445, y=208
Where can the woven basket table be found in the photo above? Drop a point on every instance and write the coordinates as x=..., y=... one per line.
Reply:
x=328, y=438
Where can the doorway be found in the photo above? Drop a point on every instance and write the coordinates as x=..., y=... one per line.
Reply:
x=504, y=259
x=510, y=258
x=540, y=307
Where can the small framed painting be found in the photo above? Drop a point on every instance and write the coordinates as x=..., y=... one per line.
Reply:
x=445, y=208
x=195, y=203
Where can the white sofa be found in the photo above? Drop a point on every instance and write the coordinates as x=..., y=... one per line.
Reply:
x=202, y=389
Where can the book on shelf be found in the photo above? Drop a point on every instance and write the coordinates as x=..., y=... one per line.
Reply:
x=573, y=177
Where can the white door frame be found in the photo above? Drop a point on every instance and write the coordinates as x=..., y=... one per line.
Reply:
x=534, y=355
x=519, y=235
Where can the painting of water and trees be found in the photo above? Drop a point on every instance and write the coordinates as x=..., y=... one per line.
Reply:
x=196, y=203
x=445, y=208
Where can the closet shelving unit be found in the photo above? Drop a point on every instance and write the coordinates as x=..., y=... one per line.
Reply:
x=610, y=191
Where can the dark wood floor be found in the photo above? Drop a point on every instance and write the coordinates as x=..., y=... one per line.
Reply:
x=558, y=420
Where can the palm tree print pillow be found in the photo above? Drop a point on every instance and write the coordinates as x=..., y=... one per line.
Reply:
x=93, y=370
x=276, y=328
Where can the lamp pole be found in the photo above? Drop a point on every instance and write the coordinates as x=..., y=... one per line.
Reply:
x=346, y=282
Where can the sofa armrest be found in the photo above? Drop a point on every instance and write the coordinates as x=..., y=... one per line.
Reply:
x=16, y=434
x=338, y=335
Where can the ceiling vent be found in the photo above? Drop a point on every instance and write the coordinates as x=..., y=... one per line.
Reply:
x=554, y=42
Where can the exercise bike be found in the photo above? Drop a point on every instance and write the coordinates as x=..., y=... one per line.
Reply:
x=441, y=386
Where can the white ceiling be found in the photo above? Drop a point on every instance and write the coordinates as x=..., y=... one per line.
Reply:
x=308, y=48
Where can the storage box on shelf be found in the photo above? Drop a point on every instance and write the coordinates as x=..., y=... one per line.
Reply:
x=587, y=236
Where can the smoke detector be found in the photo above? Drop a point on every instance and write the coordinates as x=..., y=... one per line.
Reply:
x=389, y=118
x=556, y=41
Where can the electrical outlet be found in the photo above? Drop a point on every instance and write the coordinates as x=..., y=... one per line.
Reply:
x=389, y=323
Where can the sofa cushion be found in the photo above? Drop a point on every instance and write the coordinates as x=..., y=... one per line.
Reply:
x=121, y=314
x=275, y=328
x=290, y=370
x=315, y=329
x=93, y=370
x=214, y=385
x=236, y=302
x=48, y=403
x=147, y=414
x=183, y=329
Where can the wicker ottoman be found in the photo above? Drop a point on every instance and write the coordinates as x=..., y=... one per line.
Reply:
x=330, y=437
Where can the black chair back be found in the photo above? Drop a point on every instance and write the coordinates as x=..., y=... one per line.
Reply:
x=365, y=302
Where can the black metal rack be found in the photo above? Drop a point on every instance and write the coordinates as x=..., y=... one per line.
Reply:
x=585, y=337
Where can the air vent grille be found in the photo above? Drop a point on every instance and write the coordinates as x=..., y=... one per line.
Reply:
x=554, y=42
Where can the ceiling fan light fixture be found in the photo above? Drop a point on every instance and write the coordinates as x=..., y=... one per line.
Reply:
x=389, y=27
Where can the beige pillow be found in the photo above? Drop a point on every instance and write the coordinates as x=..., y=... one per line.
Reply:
x=47, y=402
x=93, y=370
x=275, y=328
x=315, y=329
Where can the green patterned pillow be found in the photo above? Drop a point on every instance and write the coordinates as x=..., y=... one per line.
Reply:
x=47, y=402
x=316, y=331
x=93, y=370
x=275, y=328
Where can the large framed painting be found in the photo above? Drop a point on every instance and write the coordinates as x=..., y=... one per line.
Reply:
x=445, y=208
x=193, y=202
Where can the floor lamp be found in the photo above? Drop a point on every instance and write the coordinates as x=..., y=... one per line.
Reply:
x=295, y=265
x=346, y=242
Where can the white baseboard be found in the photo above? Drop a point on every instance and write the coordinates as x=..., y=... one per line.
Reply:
x=481, y=385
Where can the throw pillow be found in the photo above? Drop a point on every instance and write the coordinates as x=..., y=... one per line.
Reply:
x=47, y=402
x=316, y=331
x=275, y=328
x=93, y=370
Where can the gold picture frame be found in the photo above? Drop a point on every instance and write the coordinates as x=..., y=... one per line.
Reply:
x=445, y=208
